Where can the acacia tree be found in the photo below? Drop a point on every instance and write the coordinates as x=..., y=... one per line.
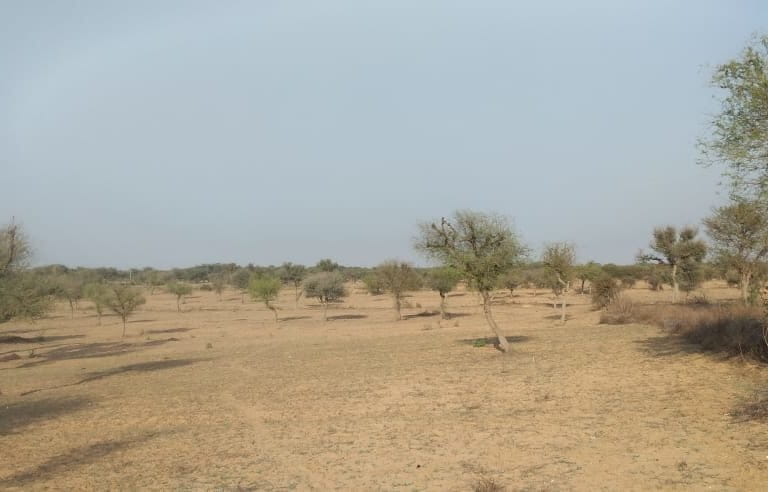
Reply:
x=266, y=290
x=587, y=273
x=511, y=281
x=22, y=294
x=676, y=250
x=443, y=280
x=739, y=137
x=70, y=288
x=218, y=283
x=372, y=284
x=293, y=274
x=240, y=280
x=327, y=287
x=559, y=258
x=740, y=235
x=124, y=300
x=99, y=295
x=482, y=247
x=180, y=290
x=397, y=278
x=326, y=265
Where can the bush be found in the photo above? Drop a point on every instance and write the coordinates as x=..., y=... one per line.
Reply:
x=373, y=284
x=604, y=291
x=206, y=287
x=628, y=282
x=619, y=312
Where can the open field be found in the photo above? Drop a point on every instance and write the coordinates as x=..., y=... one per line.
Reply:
x=219, y=397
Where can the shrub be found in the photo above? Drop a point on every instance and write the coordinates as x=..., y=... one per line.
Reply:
x=327, y=287
x=206, y=288
x=373, y=284
x=604, y=291
x=628, y=282
x=619, y=312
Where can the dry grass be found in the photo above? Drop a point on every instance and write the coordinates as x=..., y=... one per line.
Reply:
x=728, y=329
x=367, y=403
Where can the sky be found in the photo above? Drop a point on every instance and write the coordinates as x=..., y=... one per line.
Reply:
x=175, y=133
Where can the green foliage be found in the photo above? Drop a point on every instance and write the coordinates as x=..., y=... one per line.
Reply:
x=23, y=294
x=739, y=232
x=739, y=139
x=124, y=300
x=326, y=265
x=443, y=280
x=180, y=290
x=480, y=246
x=293, y=274
x=99, y=294
x=679, y=250
x=265, y=289
x=373, y=284
x=69, y=287
x=398, y=277
x=558, y=259
x=327, y=287
x=218, y=281
x=511, y=281
x=587, y=273
x=605, y=290
x=240, y=279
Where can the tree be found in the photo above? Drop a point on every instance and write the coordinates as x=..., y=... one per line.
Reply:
x=99, y=295
x=482, y=247
x=739, y=232
x=511, y=281
x=559, y=258
x=70, y=288
x=180, y=290
x=373, y=284
x=218, y=282
x=293, y=274
x=124, y=300
x=675, y=249
x=22, y=294
x=266, y=290
x=739, y=137
x=443, y=280
x=587, y=273
x=240, y=280
x=397, y=278
x=327, y=287
x=326, y=265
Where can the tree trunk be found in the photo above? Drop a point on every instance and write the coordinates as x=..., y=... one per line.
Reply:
x=99, y=314
x=563, y=304
x=298, y=294
x=582, y=286
x=675, y=288
x=242, y=298
x=503, y=344
x=274, y=311
x=178, y=303
x=746, y=278
x=71, y=309
x=123, y=326
x=397, y=308
x=443, y=312
x=325, y=311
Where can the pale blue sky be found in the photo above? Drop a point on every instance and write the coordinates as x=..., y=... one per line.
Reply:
x=168, y=133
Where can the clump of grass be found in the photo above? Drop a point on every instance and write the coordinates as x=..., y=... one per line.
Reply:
x=754, y=409
x=488, y=484
x=729, y=329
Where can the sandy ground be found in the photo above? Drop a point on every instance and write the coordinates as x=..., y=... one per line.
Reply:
x=219, y=397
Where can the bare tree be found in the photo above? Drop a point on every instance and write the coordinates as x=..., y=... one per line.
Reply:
x=559, y=258
x=740, y=235
x=480, y=246
x=677, y=250
x=443, y=280
x=327, y=287
x=124, y=301
x=266, y=290
x=397, y=278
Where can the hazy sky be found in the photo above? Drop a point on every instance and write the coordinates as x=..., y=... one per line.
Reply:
x=165, y=133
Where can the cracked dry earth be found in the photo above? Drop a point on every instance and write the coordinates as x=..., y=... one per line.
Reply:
x=220, y=398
